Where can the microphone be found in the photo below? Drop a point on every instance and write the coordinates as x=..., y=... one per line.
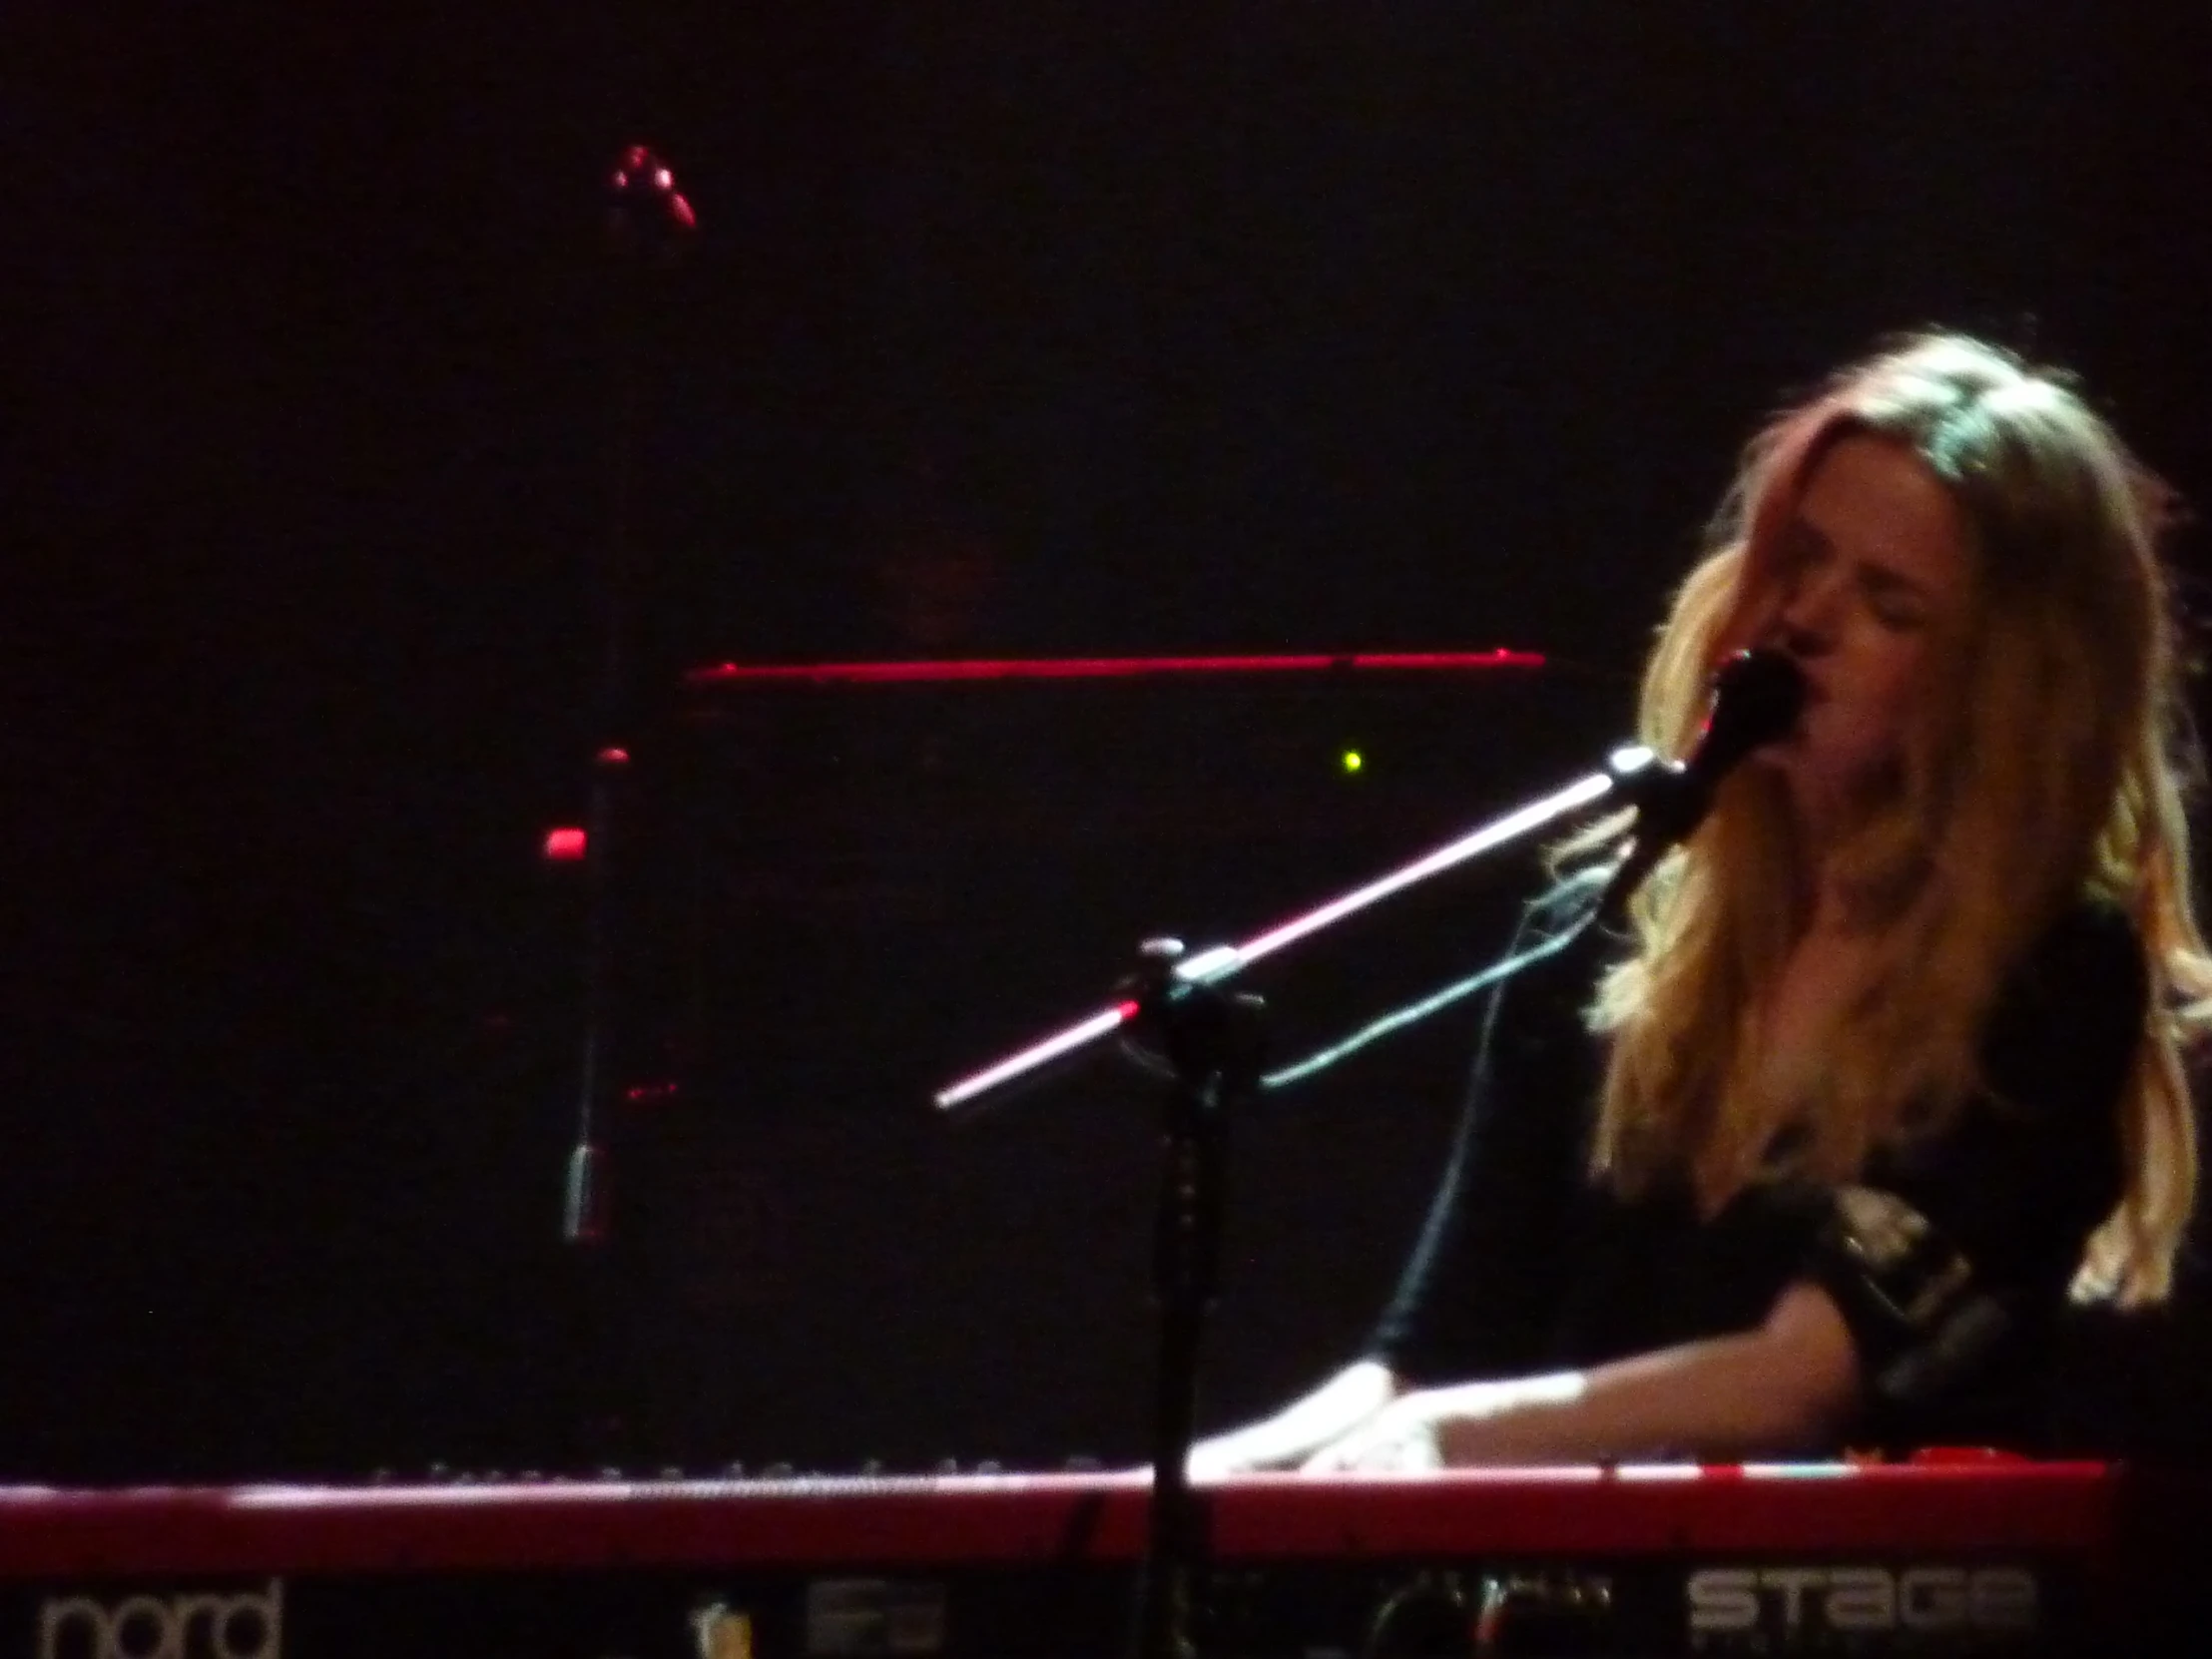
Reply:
x=1757, y=698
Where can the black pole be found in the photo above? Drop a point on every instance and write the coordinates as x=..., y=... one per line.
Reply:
x=584, y=1209
x=647, y=223
x=1213, y=1042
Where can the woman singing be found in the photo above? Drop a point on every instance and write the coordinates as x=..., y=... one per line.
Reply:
x=1887, y=1064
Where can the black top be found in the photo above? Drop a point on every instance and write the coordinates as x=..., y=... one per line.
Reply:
x=1951, y=1263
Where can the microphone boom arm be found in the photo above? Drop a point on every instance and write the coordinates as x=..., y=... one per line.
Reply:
x=1758, y=698
x=1625, y=770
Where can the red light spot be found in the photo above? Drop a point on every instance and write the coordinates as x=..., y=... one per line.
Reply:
x=663, y=179
x=613, y=757
x=565, y=846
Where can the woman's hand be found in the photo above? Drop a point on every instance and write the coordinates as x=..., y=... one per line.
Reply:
x=1284, y=1441
x=1406, y=1438
x=1229, y=1455
x=1467, y=1423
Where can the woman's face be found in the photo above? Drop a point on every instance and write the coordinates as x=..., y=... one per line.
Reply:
x=1869, y=580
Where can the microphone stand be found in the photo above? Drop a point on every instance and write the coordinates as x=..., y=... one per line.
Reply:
x=648, y=224
x=1212, y=1042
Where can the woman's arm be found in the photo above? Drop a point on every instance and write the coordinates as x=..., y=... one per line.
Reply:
x=1780, y=1387
x=1339, y=1408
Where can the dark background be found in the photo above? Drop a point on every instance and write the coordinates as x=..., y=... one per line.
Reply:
x=1030, y=329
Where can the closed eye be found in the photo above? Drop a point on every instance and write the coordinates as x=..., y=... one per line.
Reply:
x=1897, y=601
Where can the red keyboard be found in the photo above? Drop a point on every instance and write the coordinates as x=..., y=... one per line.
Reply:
x=1970, y=1557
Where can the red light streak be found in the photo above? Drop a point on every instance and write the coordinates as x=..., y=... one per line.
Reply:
x=1106, y=668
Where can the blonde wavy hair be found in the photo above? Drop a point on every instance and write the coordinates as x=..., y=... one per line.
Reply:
x=2051, y=764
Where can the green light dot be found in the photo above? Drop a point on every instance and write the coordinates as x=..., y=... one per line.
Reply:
x=1353, y=762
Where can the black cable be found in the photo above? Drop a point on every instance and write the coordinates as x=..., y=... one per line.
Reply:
x=1411, y=1013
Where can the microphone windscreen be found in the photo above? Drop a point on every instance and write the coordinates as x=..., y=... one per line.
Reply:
x=1757, y=698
